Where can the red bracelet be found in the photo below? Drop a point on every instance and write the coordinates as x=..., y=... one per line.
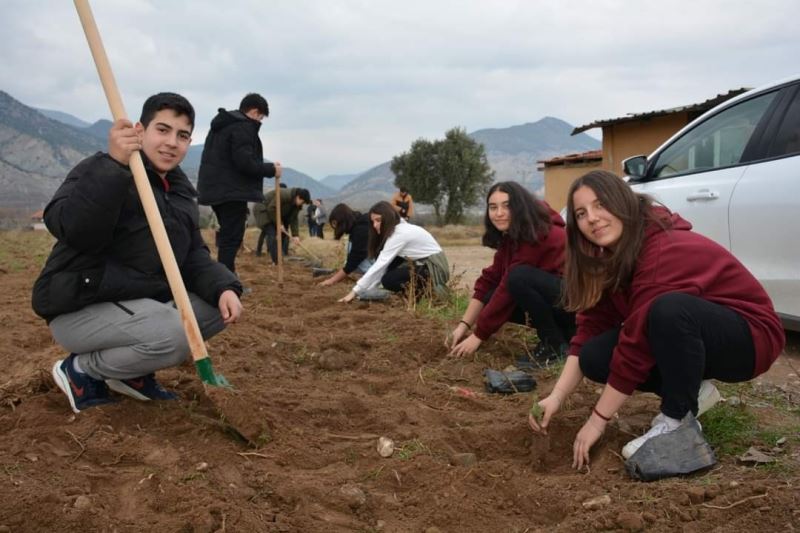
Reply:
x=595, y=411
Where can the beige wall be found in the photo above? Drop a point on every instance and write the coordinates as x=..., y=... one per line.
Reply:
x=628, y=139
x=557, y=180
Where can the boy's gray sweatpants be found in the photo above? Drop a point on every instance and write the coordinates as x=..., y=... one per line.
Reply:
x=130, y=339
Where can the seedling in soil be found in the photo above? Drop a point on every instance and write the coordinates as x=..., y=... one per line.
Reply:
x=536, y=410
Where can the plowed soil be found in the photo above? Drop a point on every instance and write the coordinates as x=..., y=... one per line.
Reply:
x=316, y=383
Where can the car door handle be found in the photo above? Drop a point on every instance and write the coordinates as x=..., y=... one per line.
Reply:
x=703, y=194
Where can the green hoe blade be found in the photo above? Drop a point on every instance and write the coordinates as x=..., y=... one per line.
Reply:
x=207, y=375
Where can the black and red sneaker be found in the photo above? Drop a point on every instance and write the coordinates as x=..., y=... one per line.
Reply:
x=82, y=390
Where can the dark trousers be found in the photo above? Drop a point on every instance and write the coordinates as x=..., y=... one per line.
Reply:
x=268, y=232
x=398, y=274
x=691, y=339
x=536, y=294
x=232, y=218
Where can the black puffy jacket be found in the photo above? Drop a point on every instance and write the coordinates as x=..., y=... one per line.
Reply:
x=105, y=251
x=232, y=168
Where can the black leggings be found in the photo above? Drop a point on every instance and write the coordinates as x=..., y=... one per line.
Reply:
x=691, y=339
x=536, y=294
x=398, y=274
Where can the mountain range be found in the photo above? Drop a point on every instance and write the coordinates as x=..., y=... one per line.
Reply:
x=38, y=147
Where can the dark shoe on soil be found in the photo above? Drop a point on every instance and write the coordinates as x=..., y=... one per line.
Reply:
x=508, y=382
x=82, y=390
x=544, y=353
x=144, y=388
x=681, y=451
x=316, y=272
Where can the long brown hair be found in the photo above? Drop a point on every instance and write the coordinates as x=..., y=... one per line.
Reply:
x=389, y=220
x=342, y=219
x=590, y=270
x=530, y=219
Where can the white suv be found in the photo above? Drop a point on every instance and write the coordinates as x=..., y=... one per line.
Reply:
x=734, y=173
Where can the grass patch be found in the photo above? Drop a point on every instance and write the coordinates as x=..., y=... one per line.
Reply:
x=410, y=449
x=732, y=429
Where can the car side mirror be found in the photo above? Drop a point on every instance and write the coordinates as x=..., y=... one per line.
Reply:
x=635, y=166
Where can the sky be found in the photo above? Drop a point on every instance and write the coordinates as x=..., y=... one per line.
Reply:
x=352, y=83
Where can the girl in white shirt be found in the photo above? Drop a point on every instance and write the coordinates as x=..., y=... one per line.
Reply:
x=395, y=242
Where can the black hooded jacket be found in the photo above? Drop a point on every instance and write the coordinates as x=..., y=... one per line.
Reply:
x=232, y=168
x=105, y=251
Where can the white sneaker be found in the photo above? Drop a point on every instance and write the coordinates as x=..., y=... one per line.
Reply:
x=661, y=424
x=707, y=397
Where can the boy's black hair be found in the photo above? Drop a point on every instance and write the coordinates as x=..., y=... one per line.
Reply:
x=304, y=194
x=158, y=102
x=254, y=101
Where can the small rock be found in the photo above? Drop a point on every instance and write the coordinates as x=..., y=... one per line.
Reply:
x=201, y=467
x=385, y=447
x=31, y=457
x=781, y=441
x=463, y=459
x=733, y=484
x=696, y=494
x=82, y=502
x=353, y=496
x=597, y=502
x=734, y=401
x=630, y=522
x=754, y=456
x=380, y=524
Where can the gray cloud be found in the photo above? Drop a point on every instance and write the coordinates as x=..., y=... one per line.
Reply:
x=353, y=83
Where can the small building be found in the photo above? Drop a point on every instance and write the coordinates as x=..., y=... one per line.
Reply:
x=641, y=133
x=561, y=171
x=623, y=137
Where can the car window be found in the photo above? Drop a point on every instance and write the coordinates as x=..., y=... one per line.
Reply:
x=717, y=142
x=787, y=140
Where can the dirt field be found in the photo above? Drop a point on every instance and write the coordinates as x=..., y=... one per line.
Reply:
x=323, y=381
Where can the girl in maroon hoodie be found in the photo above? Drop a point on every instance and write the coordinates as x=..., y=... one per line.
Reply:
x=660, y=309
x=524, y=280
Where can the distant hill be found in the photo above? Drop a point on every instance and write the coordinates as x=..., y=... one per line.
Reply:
x=337, y=181
x=99, y=129
x=36, y=152
x=512, y=153
x=369, y=187
x=64, y=118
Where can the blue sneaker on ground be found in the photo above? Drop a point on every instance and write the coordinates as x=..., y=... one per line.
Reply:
x=144, y=388
x=82, y=390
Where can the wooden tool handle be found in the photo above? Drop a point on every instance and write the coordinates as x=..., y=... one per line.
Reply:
x=174, y=279
x=279, y=228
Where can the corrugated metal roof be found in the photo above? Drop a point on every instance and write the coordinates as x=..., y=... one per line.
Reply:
x=592, y=155
x=702, y=106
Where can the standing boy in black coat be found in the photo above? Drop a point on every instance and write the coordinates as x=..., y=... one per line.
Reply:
x=103, y=290
x=232, y=171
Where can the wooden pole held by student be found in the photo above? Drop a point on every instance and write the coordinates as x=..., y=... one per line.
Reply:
x=279, y=229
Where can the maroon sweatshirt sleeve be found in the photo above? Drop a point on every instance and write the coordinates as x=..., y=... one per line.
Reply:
x=490, y=276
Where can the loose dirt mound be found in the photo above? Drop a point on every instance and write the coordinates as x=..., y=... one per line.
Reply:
x=321, y=382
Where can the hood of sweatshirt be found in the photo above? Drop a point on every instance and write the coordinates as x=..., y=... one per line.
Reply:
x=225, y=118
x=666, y=219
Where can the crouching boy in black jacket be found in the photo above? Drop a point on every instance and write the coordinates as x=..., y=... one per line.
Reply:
x=103, y=291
